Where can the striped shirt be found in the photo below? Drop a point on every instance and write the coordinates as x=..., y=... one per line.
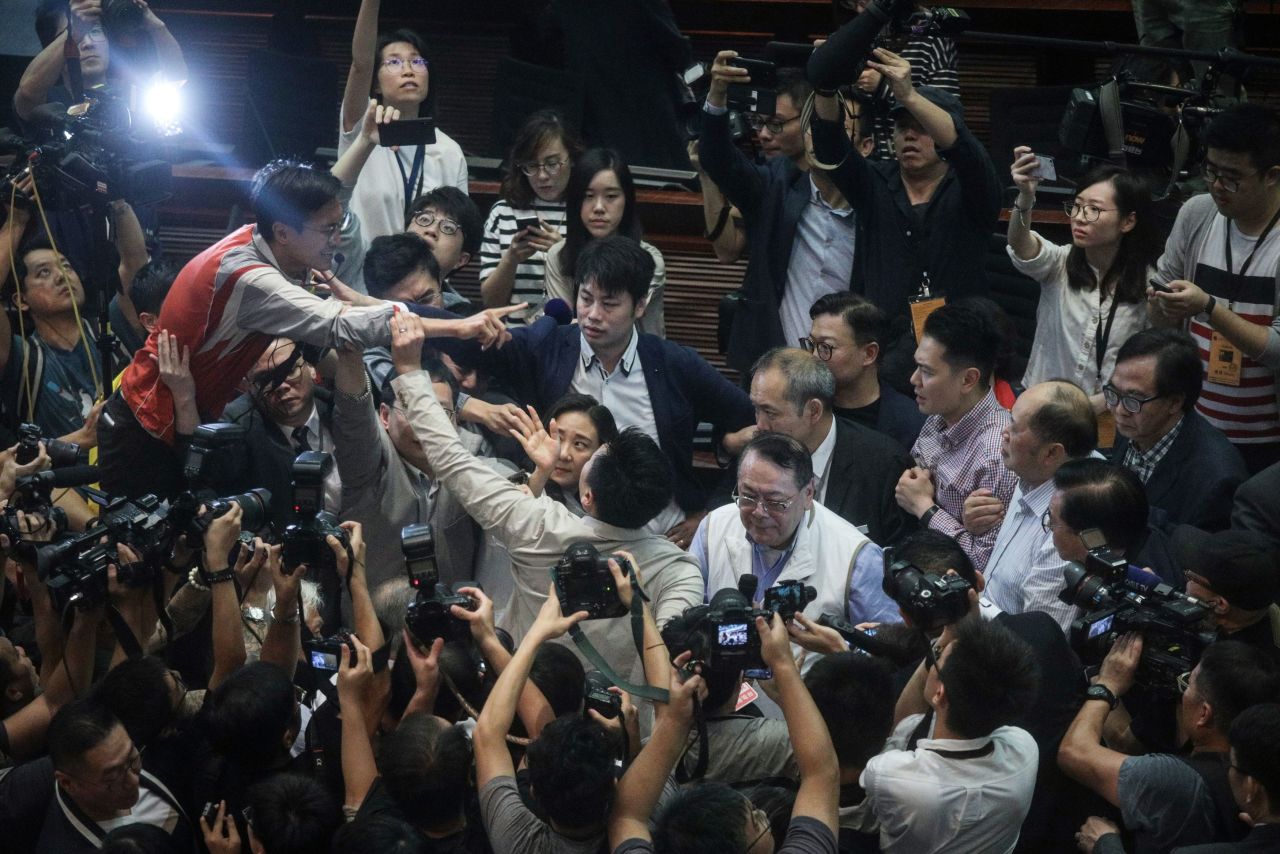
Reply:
x=499, y=232
x=1024, y=572
x=1195, y=251
x=933, y=63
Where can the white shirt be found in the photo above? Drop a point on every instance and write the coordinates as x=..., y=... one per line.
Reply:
x=379, y=197
x=320, y=439
x=822, y=462
x=821, y=262
x=929, y=800
x=150, y=809
x=1067, y=323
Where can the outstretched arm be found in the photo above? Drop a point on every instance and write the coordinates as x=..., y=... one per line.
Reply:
x=360, y=76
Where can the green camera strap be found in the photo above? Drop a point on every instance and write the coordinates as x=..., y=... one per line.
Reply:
x=580, y=639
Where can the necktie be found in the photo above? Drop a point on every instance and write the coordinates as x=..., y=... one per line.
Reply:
x=300, y=439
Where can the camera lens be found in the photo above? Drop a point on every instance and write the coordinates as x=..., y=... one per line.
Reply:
x=253, y=506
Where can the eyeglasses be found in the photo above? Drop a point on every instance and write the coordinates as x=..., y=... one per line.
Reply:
x=775, y=125
x=1047, y=523
x=1213, y=176
x=1091, y=212
x=97, y=34
x=426, y=219
x=746, y=502
x=333, y=230
x=1183, y=682
x=821, y=349
x=395, y=63
x=1131, y=403
x=759, y=817
x=550, y=166
x=113, y=777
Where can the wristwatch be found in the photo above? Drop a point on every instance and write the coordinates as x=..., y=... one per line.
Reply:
x=928, y=515
x=1102, y=692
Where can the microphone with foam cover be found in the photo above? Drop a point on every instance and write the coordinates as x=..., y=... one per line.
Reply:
x=560, y=310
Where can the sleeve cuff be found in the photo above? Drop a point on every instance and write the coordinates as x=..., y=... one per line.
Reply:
x=712, y=110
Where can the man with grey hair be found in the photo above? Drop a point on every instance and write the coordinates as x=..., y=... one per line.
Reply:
x=855, y=468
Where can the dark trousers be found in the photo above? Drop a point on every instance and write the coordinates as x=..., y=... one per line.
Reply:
x=131, y=461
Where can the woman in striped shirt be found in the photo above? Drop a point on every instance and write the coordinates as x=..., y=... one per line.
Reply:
x=512, y=256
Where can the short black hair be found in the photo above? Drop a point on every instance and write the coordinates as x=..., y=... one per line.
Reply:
x=855, y=695
x=863, y=317
x=597, y=413
x=379, y=832
x=138, y=694
x=1178, y=367
x=784, y=452
x=1066, y=417
x=289, y=192
x=991, y=677
x=707, y=816
x=680, y=636
x=806, y=378
x=293, y=814
x=615, y=264
x=426, y=766
x=1233, y=676
x=933, y=551
x=571, y=771
x=792, y=83
x=1251, y=129
x=969, y=337
x=77, y=728
x=1255, y=741
x=630, y=480
x=250, y=713
x=391, y=257
x=151, y=285
x=411, y=38
x=34, y=243
x=1099, y=494
x=560, y=676
x=457, y=206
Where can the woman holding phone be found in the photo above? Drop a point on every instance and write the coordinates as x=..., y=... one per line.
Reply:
x=1093, y=292
x=601, y=201
x=529, y=217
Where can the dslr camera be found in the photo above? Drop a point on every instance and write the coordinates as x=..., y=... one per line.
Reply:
x=1116, y=598
x=584, y=583
x=326, y=654
x=723, y=632
x=598, y=696
x=304, y=540
x=217, y=458
x=429, y=615
x=929, y=600
x=61, y=454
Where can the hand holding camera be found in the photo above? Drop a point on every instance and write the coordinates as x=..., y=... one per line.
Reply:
x=551, y=623
x=342, y=559
x=895, y=70
x=722, y=75
x=1120, y=667
x=775, y=643
x=480, y=617
x=1025, y=172
x=375, y=117
x=219, y=829
x=622, y=570
x=425, y=663
x=687, y=685
x=11, y=469
x=221, y=536
x=355, y=670
x=814, y=637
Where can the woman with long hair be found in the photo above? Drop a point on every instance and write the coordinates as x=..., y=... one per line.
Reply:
x=601, y=201
x=1093, y=292
x=513, y=255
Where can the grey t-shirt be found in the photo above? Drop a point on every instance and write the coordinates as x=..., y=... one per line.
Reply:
x=1165, y=802
x=805, y=835
x=744, y=749
x=513, y=828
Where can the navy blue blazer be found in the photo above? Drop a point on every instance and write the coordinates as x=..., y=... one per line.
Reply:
x=1197, y=479
x=538, y=364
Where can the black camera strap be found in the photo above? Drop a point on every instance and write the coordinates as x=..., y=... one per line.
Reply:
x=704, y=748
x=638, y=598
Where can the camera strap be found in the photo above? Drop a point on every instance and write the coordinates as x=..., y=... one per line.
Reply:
x=704, y=748
x=124, y=634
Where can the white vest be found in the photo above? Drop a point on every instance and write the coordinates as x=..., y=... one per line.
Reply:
x=825, y=548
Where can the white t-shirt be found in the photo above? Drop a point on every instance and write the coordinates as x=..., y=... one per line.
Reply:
x=379, y=197
x=150, y=809
x=1068, y=320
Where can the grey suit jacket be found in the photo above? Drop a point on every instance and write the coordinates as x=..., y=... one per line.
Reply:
x=1256, y=507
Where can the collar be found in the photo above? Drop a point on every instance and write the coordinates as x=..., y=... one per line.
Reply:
x=979, y=418
x=822, y=454
x=815, y=196
x=1036, y=501
x=264, y=249
x=312, y=424
x=958, y=748
x=1162, y=444
x=90, y=829
x=625, y=364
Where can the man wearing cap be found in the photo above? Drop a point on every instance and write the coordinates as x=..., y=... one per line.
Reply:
x=1237, y=574
x=923, y=221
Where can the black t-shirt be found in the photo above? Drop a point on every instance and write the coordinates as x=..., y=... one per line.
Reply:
x=470, y=840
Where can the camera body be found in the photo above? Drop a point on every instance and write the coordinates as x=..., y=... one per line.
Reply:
x=429, y=615
x=1117, y=599
x=596, y=695
x=788, y=597
x=723, y=632
x=584, y=583
x=303, y=541
x=326, y=654
x=217, y=458
x=61, y=454
x=929, y=600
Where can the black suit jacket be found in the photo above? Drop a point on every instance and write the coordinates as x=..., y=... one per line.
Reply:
x=865, y=468
x=1256, y=508
x=1264, y=839
x=1196, y=480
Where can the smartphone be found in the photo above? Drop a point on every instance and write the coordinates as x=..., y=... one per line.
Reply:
x=1159, y=288
x=408, y=132
x=1045, y=168
x=763, y=73
x=528, y=223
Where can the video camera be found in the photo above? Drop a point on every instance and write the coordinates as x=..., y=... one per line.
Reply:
x=723, y=632
x=584, y=582
x=931, y=601
x=304, y=540
x=1118, y=598
x=430, y=614
x=61, y=453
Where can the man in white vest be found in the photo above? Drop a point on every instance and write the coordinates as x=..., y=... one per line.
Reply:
x=776, y=531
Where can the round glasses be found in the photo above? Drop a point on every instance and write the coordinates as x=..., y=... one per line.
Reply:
x=551, y=167
x=1090, y=212
x=1131, y=402
x=746, y=502
x=821, y=349
x=1213, y=176
x=426, y=219
x=395, y=63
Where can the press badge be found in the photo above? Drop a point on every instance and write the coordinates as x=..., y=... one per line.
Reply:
x=1224, y=361
x=921, y=308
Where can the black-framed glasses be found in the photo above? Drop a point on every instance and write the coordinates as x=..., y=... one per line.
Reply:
x=1090, y=212
x=332, y=230
x=1213, y=176
x=396, y=63
x=747, y=502
x=551, y=166
x=1131, y=402
x=821, y=349
x=426, y=219
x=773, y=123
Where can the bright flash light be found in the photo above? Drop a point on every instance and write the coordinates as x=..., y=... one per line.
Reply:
x=162, y=102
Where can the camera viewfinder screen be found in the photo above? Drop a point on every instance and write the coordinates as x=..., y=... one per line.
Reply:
x=323, y=660
x=732, y=635
x=1101, y=627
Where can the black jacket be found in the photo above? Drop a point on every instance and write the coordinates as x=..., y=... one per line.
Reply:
x=1256, y=508
x=865, y=468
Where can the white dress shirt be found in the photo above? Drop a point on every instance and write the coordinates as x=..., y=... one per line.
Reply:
x=822, y=463
x=1024, y=572
x=320, y=439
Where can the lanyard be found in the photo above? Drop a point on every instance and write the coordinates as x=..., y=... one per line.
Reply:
x=412, y=181
x=1226, y=238
x=1103, y=335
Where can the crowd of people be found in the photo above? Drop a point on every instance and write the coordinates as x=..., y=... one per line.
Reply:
x=339, y=560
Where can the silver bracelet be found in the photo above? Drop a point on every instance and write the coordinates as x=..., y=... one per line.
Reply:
x=292, y=621
x=193, y=578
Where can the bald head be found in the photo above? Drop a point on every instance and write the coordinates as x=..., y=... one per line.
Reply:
x=1051, y=422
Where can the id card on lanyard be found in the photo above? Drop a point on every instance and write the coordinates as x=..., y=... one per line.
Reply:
x=923, y=304
x=413, y=180
x=1225, y=359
